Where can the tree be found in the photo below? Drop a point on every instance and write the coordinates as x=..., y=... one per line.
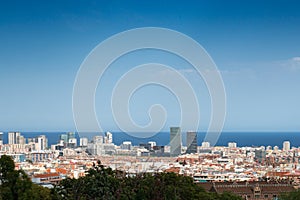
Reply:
x=7, y=166
x=104, y=183
x=295, y=195
x=40, y=192
x=15, y=184
x=99, y=183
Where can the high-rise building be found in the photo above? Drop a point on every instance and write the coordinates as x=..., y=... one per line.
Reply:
x=64, y=137
x=191, y=142
x=41, y=143
x=1, y=138
x=83, y=142
x=108, y=138
x=286, y=146
x=13, y=137
x=175, y=141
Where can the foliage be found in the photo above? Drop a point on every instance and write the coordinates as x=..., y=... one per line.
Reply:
x=15, y=184
x=295, y=195
x=103, y=183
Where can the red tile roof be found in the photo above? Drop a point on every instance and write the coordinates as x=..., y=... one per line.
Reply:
x=45, y=175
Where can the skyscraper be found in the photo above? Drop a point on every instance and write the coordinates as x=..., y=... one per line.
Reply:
x=83, y=142
x=13, y=137
x=1, y=138
x=41, y=142
x=191, y=142
x=108, y=138
x=64, y=137
x=175, y=141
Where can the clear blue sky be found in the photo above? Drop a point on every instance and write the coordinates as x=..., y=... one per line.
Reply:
x=255, y=44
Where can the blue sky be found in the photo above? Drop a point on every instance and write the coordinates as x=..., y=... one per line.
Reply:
x=255, y=44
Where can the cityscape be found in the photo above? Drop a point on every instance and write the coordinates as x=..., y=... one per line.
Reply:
x=149, y=100
x=47, y=164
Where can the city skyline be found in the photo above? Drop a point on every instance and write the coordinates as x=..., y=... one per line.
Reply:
x=176, y=144
x=255, y=46
x=160, y=99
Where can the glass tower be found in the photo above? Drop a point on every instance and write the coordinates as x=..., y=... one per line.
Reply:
x=191, y=142
x=175, y=141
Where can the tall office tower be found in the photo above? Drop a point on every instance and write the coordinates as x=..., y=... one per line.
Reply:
x=41, y=142
x=286, y=146
x=191, y=142
x=175, y=141
x=205, y=144
x=64, y=137
x=108, y=138
x=13, y=137
x=1, y=138
x=83, y=142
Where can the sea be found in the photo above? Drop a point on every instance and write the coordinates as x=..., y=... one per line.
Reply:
x=250, y=139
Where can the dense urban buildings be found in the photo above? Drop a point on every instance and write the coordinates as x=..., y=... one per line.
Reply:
x=221, y=168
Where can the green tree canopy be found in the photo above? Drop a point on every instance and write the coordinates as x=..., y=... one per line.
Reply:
x=104, y=183
x=7, y=166
x=16, y=185
x=295, y=195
